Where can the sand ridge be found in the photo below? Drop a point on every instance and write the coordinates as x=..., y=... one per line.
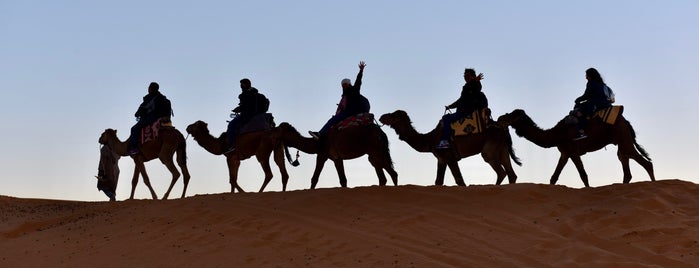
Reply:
x=520, y=225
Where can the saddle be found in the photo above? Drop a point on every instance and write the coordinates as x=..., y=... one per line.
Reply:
x=258, y=122
x=609, y=114
x=474, y=123
x=150, y=132
x=362, y=119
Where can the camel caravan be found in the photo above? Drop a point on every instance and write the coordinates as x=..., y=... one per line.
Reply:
x=353, y=132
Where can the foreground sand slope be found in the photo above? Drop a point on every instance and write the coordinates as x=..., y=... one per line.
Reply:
x=646, y=223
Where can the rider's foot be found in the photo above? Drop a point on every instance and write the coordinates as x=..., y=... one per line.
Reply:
x=229, y=150
x=443, y=144
x=581, y=135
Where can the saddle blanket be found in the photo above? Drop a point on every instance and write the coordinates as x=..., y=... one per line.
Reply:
x=150, y=132
x=471, y=124
x=610, y=114
x=356, y=120
x=258, y=122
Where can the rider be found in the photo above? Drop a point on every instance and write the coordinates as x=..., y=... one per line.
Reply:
x=250, y=105
x=592, y=100
x=471, y=99
x=352, y=103
x=154, y=106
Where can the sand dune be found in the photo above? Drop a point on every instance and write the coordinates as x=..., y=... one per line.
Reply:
x=522, y=225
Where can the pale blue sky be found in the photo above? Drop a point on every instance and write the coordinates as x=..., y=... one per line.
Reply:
x=70, y=69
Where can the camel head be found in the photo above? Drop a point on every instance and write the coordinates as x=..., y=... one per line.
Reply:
x=285, y=130
x=510, y=118
x=391, y=119
x=198, y=128
x=108, y=134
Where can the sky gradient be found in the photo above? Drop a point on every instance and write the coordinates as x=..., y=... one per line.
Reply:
x=69, y=70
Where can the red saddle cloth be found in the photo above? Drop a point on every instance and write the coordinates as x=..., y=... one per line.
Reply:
x=356, y=120
x=150, y=132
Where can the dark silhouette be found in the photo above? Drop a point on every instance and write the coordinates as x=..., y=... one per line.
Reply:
x=108, y=172
x=352, y=103
x=348, y=143
x=259, y=144
x=471, y=99
x=169, y=141
x=155, y=106
x=593, y=99
x=252, y=103
x=600, y=134
x=494, y=144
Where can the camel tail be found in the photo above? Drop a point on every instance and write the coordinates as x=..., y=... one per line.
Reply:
x=511, y=149
x=640, y=148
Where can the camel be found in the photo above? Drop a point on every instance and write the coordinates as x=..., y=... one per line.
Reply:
x=494, y=145
x=169, y=141
x=339, y=145
x=258, y=144
x=599, y=134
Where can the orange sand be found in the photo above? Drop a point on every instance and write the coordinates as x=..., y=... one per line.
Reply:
x=522, y=225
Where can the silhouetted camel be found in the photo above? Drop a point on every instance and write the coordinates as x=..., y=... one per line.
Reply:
x=599, y=134
x=349, y=143
x=494, y=145
x=169, y=141
x=258, y=144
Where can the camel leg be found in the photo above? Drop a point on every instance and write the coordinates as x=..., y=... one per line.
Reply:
x=624, y=159
x=279, y=160
x=581, y=169
x=167, y=161
x=562, y=161
x=379, y=165
x=233, y=166
x=182, y=162
x=264, y=162
x=340, y=167
x=394, y=175
x=497, y=167
x=134, y=180
x=146, y=180
x=505, y=162
x=456, y=172
x=636, y=156
x=320, y=162
x=441, y=170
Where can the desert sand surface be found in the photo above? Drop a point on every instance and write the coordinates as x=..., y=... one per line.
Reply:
x=643, y=224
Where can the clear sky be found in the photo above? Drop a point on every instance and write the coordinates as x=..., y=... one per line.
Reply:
x=70, y=69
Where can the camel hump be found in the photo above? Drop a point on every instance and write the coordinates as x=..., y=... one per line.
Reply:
x=473, y=123
x=362, y=119
x=260, y=122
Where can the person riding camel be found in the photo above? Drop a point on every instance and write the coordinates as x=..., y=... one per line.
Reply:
x=471, y=99
x=593, y=99
x=252, y=103
x=351, y=103
x=154, y=106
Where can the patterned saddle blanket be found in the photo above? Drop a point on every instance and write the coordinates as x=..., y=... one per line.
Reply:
x=474, y=123
x=150, y=132
x=356, y=120
x=610, y=114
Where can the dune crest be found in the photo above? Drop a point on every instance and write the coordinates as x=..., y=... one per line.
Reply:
x=638, y=224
